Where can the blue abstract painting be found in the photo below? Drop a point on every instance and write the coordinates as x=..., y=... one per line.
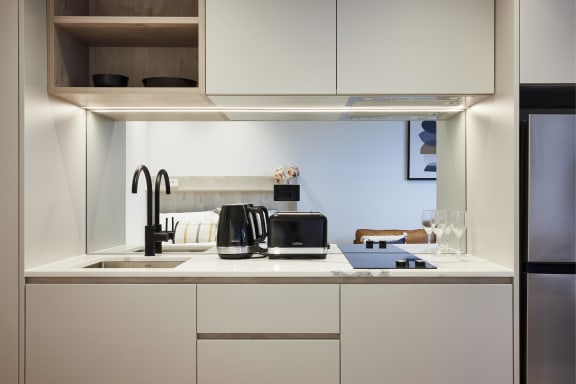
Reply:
x=422, y=150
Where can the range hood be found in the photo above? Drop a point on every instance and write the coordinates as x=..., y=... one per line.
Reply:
x=343, y=108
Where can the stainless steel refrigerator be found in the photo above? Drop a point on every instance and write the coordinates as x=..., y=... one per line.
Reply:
x=548, y=233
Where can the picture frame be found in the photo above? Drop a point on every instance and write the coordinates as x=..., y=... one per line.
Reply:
x=421, y=159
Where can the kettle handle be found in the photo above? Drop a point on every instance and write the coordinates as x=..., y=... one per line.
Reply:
x=262, y=229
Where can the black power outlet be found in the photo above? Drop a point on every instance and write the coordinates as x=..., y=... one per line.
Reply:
x=286, y=192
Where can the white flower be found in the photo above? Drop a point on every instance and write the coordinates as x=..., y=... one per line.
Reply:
x=287, y=174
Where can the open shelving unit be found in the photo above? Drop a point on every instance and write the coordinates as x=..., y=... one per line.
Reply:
x=135, y=38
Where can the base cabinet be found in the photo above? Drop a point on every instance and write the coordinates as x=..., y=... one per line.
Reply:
x=432, y=333
x=113, y=334
x=268, y=361
x=268, y=333
x=268, y=309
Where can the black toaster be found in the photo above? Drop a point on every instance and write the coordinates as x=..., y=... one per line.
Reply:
x=300, y=235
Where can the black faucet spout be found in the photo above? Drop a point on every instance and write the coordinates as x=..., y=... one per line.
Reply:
x=143, y=169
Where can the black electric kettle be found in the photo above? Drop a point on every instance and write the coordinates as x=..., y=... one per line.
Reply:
x=241, y=228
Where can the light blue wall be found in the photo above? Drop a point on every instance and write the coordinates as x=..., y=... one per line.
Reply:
x=352, y=172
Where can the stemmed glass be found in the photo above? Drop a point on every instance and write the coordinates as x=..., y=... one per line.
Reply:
x=440, y=221
x=458, y=222
x=428, y=223
x=446, y=233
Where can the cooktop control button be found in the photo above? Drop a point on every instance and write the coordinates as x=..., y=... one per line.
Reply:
x=419, y=263
x=401, y=263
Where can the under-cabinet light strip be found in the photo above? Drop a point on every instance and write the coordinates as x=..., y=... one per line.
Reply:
x=277, y=110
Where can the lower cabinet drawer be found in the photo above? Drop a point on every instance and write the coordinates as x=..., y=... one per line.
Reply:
x=268, y=361
x=268, y=308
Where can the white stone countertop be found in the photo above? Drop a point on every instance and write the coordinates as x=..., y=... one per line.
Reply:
x=207, y=264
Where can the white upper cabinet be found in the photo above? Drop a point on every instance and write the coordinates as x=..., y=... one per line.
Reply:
x=547, y=41
x=270, y=47
x=346, y=47
x=415, y=46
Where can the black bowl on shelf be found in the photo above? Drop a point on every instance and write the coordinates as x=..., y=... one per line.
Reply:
x=168, y=82
x=109, y=80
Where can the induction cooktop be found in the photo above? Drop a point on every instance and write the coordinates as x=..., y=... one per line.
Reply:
x=377, y=257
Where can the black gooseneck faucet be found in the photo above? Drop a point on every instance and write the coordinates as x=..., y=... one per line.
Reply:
x=153, y=233
x=140, y=169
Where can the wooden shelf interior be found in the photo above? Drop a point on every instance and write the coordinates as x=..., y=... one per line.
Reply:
x=76, y=62
x=181, y=8
x=134, y=38
x=98, y=31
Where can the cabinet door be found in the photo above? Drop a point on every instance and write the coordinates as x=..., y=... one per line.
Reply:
x=434, y=334
x=113, y=334
x=415, y=46
x=548, y=41
x=270, y=47
x=268, y=308
x=268, y=361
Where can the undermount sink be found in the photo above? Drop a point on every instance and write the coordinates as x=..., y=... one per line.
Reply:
x=182, y=247
x=136, y=264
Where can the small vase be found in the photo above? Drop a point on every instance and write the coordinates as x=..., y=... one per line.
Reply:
x=286, y=192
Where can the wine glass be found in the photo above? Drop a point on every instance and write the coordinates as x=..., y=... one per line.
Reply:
x=446, y=233
x=440, y=221
x=458, y=222
x=428, y=224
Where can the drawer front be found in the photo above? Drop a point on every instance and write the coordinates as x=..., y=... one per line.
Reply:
x=268, y=308
x=268, y=361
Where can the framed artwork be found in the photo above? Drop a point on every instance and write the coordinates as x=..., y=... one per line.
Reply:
x=422, y=150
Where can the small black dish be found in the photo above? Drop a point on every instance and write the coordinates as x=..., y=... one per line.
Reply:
x=109, y=80
x=168, y=82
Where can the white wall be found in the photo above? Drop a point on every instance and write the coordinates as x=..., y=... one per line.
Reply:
x=352, y=172
x=451, y=154
x=492, y=152
x=105, y=186
x=54, y=137
x=10, y=272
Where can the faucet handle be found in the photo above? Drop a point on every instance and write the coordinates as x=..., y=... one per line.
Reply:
x=172, y=231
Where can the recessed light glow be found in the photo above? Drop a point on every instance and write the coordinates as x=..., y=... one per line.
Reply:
x=382, y=109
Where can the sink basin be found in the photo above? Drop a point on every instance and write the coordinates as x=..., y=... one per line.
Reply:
x=182, y=247
x=136, y=264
